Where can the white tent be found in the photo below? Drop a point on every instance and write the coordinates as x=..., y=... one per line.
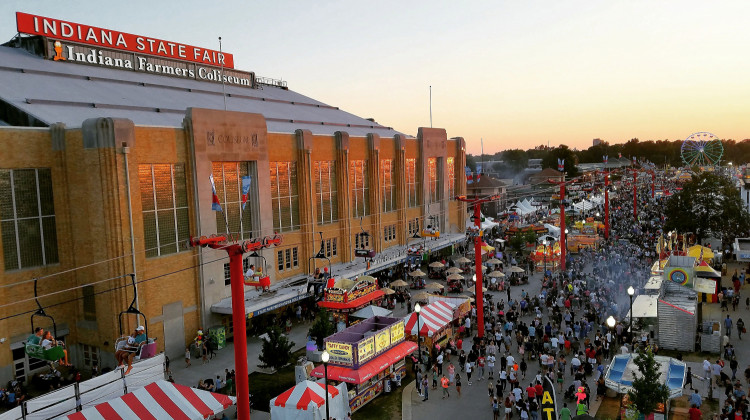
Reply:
x=370, y=311
x=553, y=230
x=307, y=401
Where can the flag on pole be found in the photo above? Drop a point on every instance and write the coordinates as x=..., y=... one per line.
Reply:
x=477, y=176
x=245, y=190
x=469, y=175
x=215, y=204
x=620, y=156
x=605, y=158
x=561, y=165
x=634, y=160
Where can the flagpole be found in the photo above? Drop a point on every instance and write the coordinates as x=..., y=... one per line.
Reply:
x=430, y=106
x=223, y=87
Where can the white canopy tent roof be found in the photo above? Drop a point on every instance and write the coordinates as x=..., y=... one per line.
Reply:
x=307, y=401
x=644, y=306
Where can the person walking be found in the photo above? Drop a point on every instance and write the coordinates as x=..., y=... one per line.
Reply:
x=419, y=382
x=728, y=325
x=451, y=372
x=495, y=409
x=491, y=390
x=458, y=384
x=187, y=357
x=467, y=369
x=689, y=378
x=445, y=383
x=425, y=388
x=740, y=327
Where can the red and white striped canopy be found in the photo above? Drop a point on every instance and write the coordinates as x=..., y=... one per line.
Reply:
x=159, y=400
x=432, y=319
x=304, y=395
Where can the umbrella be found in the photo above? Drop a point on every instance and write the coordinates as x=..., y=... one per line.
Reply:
x=371, y=279
x=388, y=290
x=437, y=264
x=493, y=261
x=516, y=269
x=463, y=260
x=422, y=296
x=496, y=274
x=417, y=273
x=454, y=270
x=437, y=286
x=455, y=276
x=399, y=283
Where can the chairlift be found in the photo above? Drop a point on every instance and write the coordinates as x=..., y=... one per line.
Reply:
x=362, y=251
x=260, y=278
x=148, y=349
x=318, y=284
x=431, y=230
x=34, y=345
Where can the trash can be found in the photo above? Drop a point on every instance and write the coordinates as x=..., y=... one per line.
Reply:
x=218, y=335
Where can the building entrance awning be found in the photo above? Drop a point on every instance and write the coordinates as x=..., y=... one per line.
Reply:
x=259, y=304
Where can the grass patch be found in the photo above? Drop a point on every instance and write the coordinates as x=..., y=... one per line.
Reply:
x=386, y=406
x=264, y=387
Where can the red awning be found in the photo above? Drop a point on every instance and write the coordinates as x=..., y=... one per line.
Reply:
x=370, y=369
x=354, y=304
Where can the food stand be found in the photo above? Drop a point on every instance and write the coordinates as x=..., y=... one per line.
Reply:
x=366, y=356
x=347, y=296
x=435, y=324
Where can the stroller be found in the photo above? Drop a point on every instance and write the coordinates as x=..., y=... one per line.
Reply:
x=570, y=393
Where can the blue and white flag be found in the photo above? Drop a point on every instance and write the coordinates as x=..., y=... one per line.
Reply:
x=561, y=165
x=605, y=158
x=215, y=204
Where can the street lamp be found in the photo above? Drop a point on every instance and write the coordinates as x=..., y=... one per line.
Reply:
x=611, y=321
x=325, y=357
x=418, y=309
x=544, y=242
x=631, y=292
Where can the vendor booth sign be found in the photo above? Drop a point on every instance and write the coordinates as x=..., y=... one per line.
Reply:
x=382, y=340
x=397, y=333
x=365, y=349
x=341, y=353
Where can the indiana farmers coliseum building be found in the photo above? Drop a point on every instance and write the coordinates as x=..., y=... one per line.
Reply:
x=108, y=140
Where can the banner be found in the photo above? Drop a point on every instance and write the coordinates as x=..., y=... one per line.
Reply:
x=341, y=353
x=549, y=400
x=245, y=190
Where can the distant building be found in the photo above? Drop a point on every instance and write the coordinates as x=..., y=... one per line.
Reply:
x=545, y=175
x=488, y=186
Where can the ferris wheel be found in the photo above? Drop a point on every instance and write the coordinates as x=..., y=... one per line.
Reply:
x=701, y=149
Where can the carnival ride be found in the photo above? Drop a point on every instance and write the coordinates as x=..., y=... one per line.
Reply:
x=34, y=346
x=701, y=149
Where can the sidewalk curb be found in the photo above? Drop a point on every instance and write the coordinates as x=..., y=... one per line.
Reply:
x=406, y=400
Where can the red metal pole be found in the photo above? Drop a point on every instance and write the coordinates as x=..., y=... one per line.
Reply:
x=563, y=244
x=606, y=205
x=478, y=265
x=240, y=326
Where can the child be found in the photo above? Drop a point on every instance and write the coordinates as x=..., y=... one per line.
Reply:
x=187, y=357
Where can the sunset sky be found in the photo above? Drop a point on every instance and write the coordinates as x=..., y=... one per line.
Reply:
x=515, y=73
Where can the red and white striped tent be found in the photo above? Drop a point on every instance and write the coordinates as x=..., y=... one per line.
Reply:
x=433, y=318
x=159, y=400
x=306, y=401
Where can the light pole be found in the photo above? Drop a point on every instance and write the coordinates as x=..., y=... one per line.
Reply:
x=611, y=324
x=544, y=243
x=631, y=292
x=325, y=357
x=418, y=309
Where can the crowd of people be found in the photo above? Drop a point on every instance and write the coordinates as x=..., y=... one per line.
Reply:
x=562, y=332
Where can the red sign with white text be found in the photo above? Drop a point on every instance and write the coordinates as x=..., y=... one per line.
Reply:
x=107, y=38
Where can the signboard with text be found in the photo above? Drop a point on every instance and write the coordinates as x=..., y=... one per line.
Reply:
x=365, y=350
x=341, y=353
x=84, y=34
x=382, y=340
x=397, y=333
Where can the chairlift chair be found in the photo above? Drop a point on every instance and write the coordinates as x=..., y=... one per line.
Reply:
x=148, y=349
x=260, y=279
x=431, y=230
x=321, y=255
x=36, y=350
x=363, y=252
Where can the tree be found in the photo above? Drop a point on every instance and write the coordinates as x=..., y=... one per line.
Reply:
x=562, y=152
x=519, y=240
x=708, y=205
x=322, y=328
x=471, y=163
x=277, y=350
x=648, y=391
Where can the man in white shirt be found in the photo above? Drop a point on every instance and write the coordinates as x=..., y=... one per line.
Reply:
x=575, y=363
x=510, y=360
x=706, y=368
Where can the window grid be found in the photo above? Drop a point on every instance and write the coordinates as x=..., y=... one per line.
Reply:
x=412, y=196
x=388, y=187
x=166, y=223
x=451, y=177
x=27, y=218
x=228, y=180
x=287, y=259
x=361, y=241
x=433, y=179
x=360, y=185
x=284, y=196
x=325, y=189
x=389, y=233
x=90, y=355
